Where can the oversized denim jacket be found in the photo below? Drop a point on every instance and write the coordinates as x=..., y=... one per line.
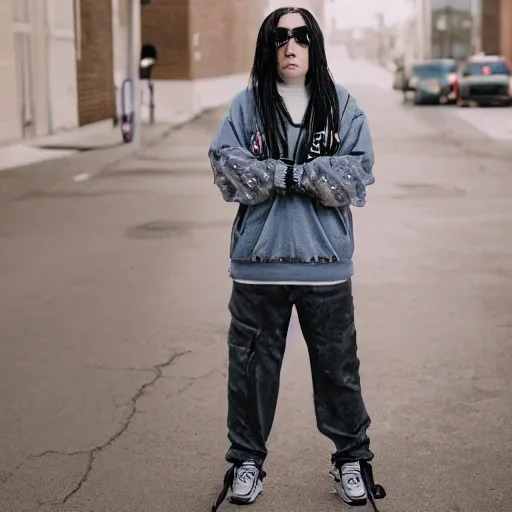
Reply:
x=302, y=234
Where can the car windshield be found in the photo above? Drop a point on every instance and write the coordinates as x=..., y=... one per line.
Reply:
x=498, y=67
x=433, y=69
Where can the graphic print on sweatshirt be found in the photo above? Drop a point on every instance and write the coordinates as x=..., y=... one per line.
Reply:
x=321, y=143
x=319, y=146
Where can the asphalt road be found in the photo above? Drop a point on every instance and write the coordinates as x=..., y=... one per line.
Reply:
x=113, y=318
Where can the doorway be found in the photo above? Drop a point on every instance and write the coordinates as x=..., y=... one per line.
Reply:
x=23, y=44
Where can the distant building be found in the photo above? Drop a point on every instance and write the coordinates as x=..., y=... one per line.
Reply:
x=448, y=28
x=496, y=27
x=452, y=29
x=458, y=28
x=491, y=26
x=506, y=29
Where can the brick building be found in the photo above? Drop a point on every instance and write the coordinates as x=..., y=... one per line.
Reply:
x=506, y=29
x=491, y=26
x=204, y=47
x=94, y=62
x=496, y=26
x=205, y=51
x=63, y=63
x=198, y=39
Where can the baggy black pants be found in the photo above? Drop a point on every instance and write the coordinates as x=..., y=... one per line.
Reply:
x=257, y=337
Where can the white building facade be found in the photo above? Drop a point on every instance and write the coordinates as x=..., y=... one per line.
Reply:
x=37, y=68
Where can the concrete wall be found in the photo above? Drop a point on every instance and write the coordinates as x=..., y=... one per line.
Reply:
x=423, y=43
x=38, y=75
x=61, y=66
x=120, y=23
x=24, y=78
x=10, y=121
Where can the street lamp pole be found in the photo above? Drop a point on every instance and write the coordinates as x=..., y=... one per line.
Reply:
x=135, y=46
x=420, y=21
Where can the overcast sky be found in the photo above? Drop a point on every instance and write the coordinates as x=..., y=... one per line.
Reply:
x=350, y=13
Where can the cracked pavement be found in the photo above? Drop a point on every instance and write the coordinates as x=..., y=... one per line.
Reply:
x=124, y=427
x=114, y=321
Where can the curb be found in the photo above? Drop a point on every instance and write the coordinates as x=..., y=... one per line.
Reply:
x=19, y=182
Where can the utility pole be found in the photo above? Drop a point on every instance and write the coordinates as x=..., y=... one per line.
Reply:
x=134, y=53
x=449, y=33
x=381, y=54
x=420, y=14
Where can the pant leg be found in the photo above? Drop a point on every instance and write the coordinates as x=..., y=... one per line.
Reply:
x=260, y=316
x=326, y=315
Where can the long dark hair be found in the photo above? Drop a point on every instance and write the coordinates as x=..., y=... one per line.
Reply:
x=323, y=111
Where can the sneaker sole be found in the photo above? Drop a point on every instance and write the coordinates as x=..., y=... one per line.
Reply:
x=240, y=500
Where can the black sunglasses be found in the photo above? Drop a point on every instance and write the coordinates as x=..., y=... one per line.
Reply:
x=300, y=34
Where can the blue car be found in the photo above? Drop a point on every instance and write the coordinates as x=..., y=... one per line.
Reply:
x=434, y=81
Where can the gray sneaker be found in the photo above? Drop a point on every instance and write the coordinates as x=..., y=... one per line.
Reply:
x=246, y=483
x=349, y=483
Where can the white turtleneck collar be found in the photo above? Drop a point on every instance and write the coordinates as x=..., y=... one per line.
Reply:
x=296, y=99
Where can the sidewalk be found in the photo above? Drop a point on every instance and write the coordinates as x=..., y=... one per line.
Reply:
x=31, y=167
x=93, y=136
x=496, y=123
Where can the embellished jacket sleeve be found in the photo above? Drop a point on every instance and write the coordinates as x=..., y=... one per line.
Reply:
x=240, y=176
x=340, y=180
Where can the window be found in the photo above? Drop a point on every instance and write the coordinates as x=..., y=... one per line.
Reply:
x=434, y=69
x=498, y=67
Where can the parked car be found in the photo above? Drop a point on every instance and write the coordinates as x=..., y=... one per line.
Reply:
x=434, y=81
x=486, y=80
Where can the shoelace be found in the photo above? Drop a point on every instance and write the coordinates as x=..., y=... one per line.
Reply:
x=246, y=472
x=228, y=482
x=353, y=480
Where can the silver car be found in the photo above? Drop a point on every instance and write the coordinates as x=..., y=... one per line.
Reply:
x=485, y=80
